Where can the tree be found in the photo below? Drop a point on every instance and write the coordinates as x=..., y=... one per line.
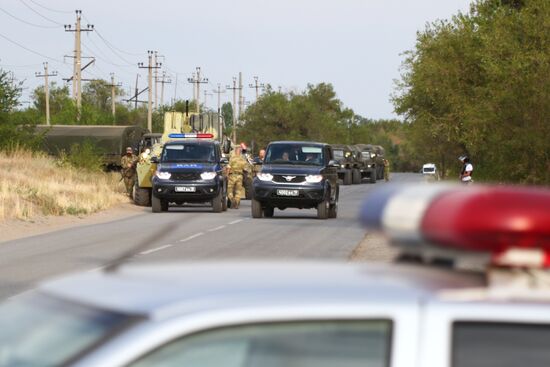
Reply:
x=227, y=114
x=9, y=92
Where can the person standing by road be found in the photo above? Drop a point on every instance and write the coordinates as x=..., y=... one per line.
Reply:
x=386, y=170
x=467, y=169
x=128, y=164
x=236, y=168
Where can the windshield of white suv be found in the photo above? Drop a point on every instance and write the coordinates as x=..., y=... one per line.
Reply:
x=338, y=153
x=188, y=153
x=42, y=331
x=295, y=154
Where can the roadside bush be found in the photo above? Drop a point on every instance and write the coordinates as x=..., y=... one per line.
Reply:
x=86, y=156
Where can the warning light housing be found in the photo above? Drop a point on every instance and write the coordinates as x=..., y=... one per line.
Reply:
x=191, y=136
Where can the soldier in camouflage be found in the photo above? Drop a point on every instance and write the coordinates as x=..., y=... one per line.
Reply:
x=236, y=169
x=128, y=164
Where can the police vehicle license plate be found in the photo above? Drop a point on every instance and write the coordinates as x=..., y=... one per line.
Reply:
x=283, y=192
x=185, y=189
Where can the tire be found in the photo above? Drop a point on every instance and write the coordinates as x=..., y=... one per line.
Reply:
x=347, y=177
x=248, y=189
x=372, y=177
x=217, y=203
x=256, y=209
x=142, y=196
x=268, y=212
x=224, y=203
x=333, y=210
x=356, y=176
x=158, y=205
x=323, y=209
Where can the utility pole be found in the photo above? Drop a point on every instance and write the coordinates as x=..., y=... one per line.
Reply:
x=163, y=81
x=77, y=71
x=219, y=92
x=256, y=86
x=175, y=90
x=136, y=91
x=150, y=68
x=206, y=94
x=241, y=101
x=234, y=89
x=197, y=81
x=113, y=90
x=46, y=89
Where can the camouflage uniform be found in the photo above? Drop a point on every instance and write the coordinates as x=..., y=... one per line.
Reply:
x=237, y=166
x=128, y=164
x=386, y=170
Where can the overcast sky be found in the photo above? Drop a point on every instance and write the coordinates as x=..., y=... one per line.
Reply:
x=354, y=44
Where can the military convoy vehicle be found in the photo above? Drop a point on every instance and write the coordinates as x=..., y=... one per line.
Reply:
x=375, y=156
x=174, y=123
x=111, y=141
x=349, y=171
x=365, y=164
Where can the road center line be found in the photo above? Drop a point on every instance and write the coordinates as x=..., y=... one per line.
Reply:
x=155, y=250
x=236, y=221
x=191, y=237
x=216, y=229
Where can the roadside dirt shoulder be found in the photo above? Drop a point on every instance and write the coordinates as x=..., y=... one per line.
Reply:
x=373, y=247
x=15, y=229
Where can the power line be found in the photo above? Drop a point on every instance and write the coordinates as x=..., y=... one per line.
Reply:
x=50, y=9
x=113, y=49
x=28, y=49
x=28, y=23
x=39, y=14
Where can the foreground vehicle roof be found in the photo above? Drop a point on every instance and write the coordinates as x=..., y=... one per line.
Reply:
x=177, y=289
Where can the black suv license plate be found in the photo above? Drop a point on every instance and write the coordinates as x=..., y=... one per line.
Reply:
x=185, y=189
x=283, y=192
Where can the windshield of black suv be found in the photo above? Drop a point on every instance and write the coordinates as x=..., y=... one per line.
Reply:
x=41, y=331
x=367, y=155
x=295, y=154
x=189, y=152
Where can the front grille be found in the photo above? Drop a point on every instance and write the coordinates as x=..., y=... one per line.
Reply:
x=185, y=176
x=281, y=178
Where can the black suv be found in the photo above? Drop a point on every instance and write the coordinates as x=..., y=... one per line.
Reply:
x=296, y=174
x=190, y=171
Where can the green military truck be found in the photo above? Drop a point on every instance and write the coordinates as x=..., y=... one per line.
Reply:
x=365, y=164
x=349, y=170
x=374, y=166
x=111, y=141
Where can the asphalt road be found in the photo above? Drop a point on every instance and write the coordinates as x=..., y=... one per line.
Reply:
x=197, y=234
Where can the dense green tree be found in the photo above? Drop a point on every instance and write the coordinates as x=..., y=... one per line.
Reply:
x=480, y=84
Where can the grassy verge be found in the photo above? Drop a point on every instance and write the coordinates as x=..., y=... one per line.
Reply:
x=33, y=184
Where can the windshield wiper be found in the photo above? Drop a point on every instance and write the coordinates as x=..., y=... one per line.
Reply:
x=280, y=161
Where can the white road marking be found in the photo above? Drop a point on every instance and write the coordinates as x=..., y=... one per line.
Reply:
x=155, y=250
x=191, y=237
x=216, y=229
x=97, y=269
x=236, y=221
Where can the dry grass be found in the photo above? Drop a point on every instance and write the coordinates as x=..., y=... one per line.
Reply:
x=33, y=184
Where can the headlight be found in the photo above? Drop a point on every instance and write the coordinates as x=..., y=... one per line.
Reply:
x=343, y=165
x=208, y=175
x=163, y=175
x=372, y=155
x=264, y=176
x=314, y=178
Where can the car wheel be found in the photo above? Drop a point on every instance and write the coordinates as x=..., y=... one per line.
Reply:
x=217, y=203
x=268, y=212
x=156, y=205
x=347, y=177
x=256, y=209
x=356, y=176
x=333, y=210
x=323, y=209
x=372, y=178
x=224, y=203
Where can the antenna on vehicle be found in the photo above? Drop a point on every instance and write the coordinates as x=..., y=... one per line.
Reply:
x=142, y=246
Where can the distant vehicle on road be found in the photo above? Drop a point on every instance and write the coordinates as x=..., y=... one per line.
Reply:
x=297, y=174
x=429, y=169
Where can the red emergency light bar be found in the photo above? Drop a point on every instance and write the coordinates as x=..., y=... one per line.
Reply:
x=510, y=225
x=491, y=219
x=191, y=136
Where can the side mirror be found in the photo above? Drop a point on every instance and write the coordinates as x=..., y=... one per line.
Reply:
x=334, y=164
x=257, y=161
x=224, y=160
x=155, y=159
